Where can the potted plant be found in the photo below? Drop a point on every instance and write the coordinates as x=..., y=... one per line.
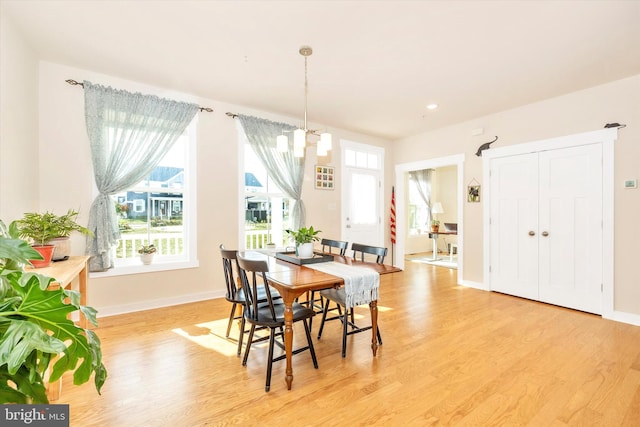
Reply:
x=146, y=253
x=45, y=229
x=35, y=329
x=435, y=225
x=304, y=238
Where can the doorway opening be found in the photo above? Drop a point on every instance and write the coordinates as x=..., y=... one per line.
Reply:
x=414, y=236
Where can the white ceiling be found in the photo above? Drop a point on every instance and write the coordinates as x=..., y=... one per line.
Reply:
x=375, y=66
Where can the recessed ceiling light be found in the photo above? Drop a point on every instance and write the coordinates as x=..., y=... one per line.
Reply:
x=432, y=106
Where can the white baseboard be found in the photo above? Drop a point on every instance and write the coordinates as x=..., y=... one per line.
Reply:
x=158, y=303
x=621, y=316
x=617, y=316
x=475, y=285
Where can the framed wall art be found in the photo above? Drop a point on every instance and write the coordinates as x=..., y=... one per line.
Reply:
x=324, y=177
x=473, y=192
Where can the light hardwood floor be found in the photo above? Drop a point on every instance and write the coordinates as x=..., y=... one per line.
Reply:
x=451, y=356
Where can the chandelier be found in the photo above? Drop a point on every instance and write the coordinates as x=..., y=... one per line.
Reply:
x=300, y=134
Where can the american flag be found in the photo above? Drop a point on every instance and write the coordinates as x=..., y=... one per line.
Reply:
x=393, y=215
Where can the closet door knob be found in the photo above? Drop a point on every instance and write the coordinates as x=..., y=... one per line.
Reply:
x=545, y=234
x=532, y=233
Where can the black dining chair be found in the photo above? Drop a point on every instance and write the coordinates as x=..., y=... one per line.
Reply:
x=314, y=300
x=235, y=294
x=269, y=315
x=339, y=297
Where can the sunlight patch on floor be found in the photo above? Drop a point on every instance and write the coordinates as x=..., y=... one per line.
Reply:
x=211, y=335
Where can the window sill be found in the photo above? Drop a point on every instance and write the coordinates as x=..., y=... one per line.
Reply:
x=141, y=269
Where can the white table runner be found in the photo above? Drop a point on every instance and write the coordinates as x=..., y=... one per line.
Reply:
x=361, y=284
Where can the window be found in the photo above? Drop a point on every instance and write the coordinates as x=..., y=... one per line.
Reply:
x=267, y=208
x=419, y=216
x=159, y=210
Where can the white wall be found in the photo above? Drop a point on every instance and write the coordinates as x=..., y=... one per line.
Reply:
x=18, y=124
x=577, y=112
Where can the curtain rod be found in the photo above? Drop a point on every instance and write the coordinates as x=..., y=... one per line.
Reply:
x=75, y=83
x=232, y=115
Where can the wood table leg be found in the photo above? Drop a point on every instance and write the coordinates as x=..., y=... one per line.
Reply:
x=373, y=307
x=288, y=338
x=82, y=287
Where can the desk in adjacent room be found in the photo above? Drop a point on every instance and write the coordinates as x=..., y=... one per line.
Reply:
x=434, y=236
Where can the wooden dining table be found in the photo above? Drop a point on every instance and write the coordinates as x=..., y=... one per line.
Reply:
x=292, y=280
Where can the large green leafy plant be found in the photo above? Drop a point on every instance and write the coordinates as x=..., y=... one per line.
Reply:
x=35, y=327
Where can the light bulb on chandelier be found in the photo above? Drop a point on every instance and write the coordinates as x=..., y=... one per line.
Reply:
x=300, y=135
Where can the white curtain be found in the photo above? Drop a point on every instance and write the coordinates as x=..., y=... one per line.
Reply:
x=286, y=170
x=422, y=182
x=129, y=134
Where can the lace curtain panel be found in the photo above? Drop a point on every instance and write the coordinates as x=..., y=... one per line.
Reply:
x=422, y=182
x=286, y=170
x=129, y=134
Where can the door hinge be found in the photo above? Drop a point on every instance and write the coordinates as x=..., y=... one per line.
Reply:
x=489, y=269
x=601, y=287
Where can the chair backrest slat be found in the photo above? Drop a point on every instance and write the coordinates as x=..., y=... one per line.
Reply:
x=229, y=258
x=251, y=271
x=361, y=249
x=328, y=244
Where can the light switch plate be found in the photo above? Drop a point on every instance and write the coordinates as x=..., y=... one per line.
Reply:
x=631, y=183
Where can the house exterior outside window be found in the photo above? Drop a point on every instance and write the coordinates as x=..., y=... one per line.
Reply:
x=267, y=211
x=158, y=210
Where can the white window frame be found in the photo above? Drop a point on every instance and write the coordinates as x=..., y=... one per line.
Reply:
x=189, y=223
x=271, y=197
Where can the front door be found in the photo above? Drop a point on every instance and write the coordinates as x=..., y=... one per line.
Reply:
x=362, y=194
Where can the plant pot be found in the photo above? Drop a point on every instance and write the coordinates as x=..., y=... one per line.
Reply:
x=305, y=250
x=146, y=258
x=435, y=228
x=47, y=253
x=62, y=248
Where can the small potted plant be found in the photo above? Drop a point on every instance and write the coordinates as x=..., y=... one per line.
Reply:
x=304, y=238
x=146, y=253
x=435, y=225
x=49, y=232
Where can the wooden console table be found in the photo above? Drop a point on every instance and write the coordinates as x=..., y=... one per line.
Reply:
x=64, y=272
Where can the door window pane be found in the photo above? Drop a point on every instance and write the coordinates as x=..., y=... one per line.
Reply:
x=363, y=207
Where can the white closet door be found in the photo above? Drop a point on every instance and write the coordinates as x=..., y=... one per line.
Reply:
x=514, y=216
x=570, y=233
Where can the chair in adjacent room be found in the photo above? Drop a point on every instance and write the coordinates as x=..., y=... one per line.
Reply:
x=338, y=296
x=235, y=294
x=269, y=315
